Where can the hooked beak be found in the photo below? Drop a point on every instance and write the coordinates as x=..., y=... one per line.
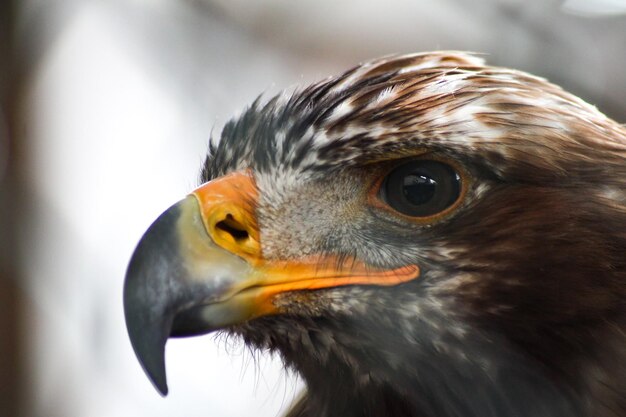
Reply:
x=199, y=268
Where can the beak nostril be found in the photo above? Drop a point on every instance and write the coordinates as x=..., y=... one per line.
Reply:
x=232, y=227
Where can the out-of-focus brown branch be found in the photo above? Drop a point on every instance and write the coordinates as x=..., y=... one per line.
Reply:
x=11, y=295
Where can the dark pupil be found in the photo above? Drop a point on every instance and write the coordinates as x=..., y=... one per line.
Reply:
x=418, y=188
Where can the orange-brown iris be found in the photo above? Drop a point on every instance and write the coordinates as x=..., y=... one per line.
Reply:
x=375, y=194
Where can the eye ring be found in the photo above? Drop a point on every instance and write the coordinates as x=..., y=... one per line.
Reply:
x=422, y=190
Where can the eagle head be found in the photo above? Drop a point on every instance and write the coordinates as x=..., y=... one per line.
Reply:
x=423, y=235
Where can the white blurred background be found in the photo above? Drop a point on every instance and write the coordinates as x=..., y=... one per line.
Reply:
x=107, y=109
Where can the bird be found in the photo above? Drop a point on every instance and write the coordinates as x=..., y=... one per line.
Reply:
x=423, y=235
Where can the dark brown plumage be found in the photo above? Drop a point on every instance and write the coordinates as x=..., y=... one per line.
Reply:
x=431, y=237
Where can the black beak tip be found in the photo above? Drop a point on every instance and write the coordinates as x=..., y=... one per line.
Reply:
x=149, y=345
x=153, y=365
x=158, y=378
x=148, y=334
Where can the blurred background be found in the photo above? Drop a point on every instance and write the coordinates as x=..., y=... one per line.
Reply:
x=107, y=109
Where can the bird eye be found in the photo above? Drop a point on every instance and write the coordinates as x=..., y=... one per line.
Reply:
x=421, y=188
